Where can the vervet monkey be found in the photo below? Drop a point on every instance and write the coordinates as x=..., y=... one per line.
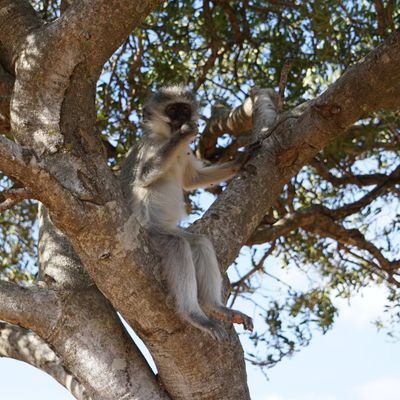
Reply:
x=163, y=167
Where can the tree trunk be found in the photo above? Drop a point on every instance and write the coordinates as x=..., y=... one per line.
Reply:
x=96, y=259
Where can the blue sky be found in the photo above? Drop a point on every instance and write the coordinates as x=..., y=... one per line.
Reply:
x=351, y=362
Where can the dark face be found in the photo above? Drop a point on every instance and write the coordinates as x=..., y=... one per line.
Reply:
x=178, y=113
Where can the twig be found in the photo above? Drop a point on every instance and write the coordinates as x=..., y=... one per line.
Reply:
x=287, y=66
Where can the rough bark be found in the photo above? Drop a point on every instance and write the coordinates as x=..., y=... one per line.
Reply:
x=86, y=203
x=23, y=345
x=6, y=85
x=17, y=19
x=24, y=306
x=89, y=335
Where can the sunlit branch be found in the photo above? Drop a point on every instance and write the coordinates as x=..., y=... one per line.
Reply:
x=17, y=19
x=24, y=306
x=23, y=165
x=24, y=345
x=236, y=122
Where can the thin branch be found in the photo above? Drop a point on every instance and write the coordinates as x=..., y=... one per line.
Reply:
x=359, y=180
x=356, y=206
x=353, y=237
x=24, y=345
x=313, y=215
x=259, y=267
x=391, y=5
x=287, y=66
x=285, y=225
x=13, y=197
x=319, y=220
x=380, y=11
x=60, y=267
x=231, y=15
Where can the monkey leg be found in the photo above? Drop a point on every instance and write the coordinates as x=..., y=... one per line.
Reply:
x=209, y=282
x=180, y=273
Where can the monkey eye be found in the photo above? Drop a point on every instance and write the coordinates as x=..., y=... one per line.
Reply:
x=178, y=111
x=171, y=109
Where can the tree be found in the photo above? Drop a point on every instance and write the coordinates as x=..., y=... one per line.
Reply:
x=324, y=171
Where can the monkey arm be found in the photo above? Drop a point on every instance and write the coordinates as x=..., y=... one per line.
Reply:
x=198, y=176
x=209, y=176
x=164, y=157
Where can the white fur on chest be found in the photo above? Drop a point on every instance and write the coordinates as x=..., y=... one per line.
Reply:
x=162, y=202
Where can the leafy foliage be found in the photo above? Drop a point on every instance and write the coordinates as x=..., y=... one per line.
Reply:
x=17, y=240
x=340, y=214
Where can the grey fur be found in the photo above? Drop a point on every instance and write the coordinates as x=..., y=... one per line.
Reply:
x=156, y=173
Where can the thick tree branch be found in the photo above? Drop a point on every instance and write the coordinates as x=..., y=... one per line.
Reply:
x=12, y=160
x=295, y=140
x=23, y=165
x=126, y=269
x=23, y=345
x=99, y=27
x=93, y=329
x=78, y=43
x=17, y=19
x=34, y=308
x=6, y=86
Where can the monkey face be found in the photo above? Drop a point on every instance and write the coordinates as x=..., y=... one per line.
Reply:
x=167, y=110
x=178, y=114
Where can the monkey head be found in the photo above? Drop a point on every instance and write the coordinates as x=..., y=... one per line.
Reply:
x=168, y=109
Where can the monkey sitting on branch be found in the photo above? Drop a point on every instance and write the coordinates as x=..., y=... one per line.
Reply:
x=163, y=168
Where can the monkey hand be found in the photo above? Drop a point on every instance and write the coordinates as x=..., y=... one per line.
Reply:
x=188, y=130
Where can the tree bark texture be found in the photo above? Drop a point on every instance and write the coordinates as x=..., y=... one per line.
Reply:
x=95, y=259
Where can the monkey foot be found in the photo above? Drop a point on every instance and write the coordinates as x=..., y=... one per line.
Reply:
x=246, y=321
